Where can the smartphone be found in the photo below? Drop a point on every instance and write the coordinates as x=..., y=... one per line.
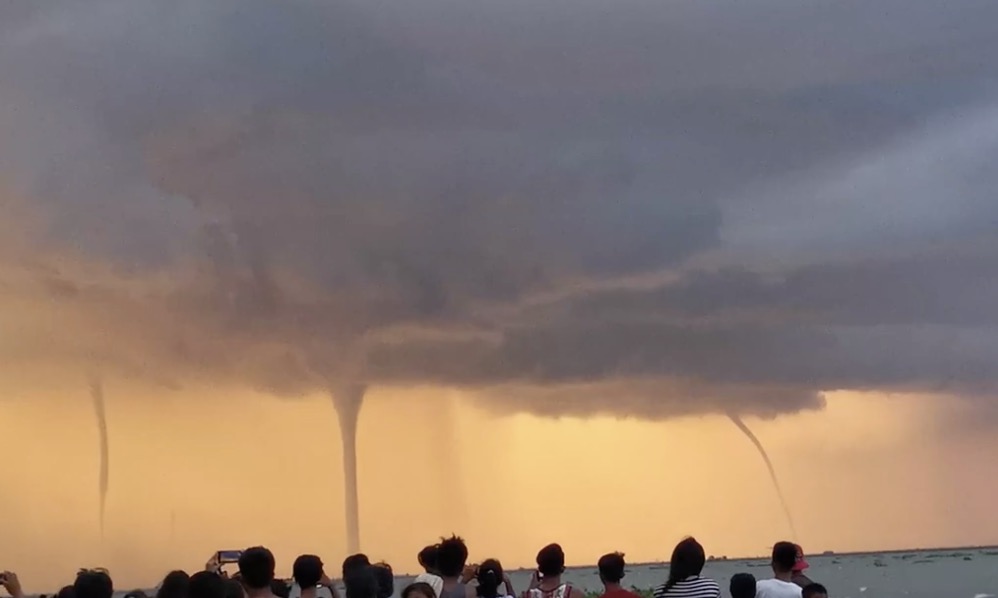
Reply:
x=227, y=557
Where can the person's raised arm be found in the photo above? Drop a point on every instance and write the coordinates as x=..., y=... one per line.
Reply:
x=535, y=580
x=469, y=573
x=212, y=565
x=12, y=584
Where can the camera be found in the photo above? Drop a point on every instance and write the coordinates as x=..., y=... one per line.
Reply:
x=227, y=557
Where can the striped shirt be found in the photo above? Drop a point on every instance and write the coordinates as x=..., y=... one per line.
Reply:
x=691, y=587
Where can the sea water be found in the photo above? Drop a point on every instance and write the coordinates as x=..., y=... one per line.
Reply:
x=924, y=574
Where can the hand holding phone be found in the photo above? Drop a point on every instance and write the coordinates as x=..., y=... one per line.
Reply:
x=10, y=582
x=222, y=557
x=535, y=580
x=227, y=557
x=212, y=564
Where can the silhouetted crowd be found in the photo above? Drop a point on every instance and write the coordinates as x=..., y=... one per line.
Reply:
x=447, y=574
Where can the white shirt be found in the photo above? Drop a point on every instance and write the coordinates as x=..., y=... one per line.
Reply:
x=775, y=588
x=436, y=582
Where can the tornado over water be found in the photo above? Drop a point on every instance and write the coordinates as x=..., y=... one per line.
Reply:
x=447, y=462
x=769, y=465
x=348, y=399
x=97, y=394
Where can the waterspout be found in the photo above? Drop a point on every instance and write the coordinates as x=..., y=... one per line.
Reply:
x=348, y=399
x=769, y=465
x=97, y=394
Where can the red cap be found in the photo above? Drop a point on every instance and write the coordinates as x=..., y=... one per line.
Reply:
x=800, y=564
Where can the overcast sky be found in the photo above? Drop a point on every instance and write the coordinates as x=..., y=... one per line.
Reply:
x=780, y=195
x=691, y=207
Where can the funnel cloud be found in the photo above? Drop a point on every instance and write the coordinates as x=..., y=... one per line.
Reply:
x=348, y=399
x=769, y=466
x=97, y=395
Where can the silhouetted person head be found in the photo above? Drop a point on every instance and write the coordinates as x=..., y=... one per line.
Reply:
x=174, y=585
x=386, y=579
x=419, y=589
x=490, y=577
x=307, y=571
x=428, y=558
x=66, y=592
x=742, y=585
x=784, y=557
x=355, y=561
x=93, y=583
x=551, y=560
x=687, y=560
x=814, y=590
x=256, y=569
x=206, y=584
x=136, y=594
x=361, y=582
x=234, y=589
x=452, y=556
x=611, y=568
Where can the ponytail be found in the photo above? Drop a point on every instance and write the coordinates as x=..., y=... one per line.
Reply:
x=488, y=585
x=489, y=577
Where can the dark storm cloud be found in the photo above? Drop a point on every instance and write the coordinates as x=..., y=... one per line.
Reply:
x=478, y=194
x=955, y=287
x=802, y=356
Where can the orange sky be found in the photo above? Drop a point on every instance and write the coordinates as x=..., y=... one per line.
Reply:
x=863, y=474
